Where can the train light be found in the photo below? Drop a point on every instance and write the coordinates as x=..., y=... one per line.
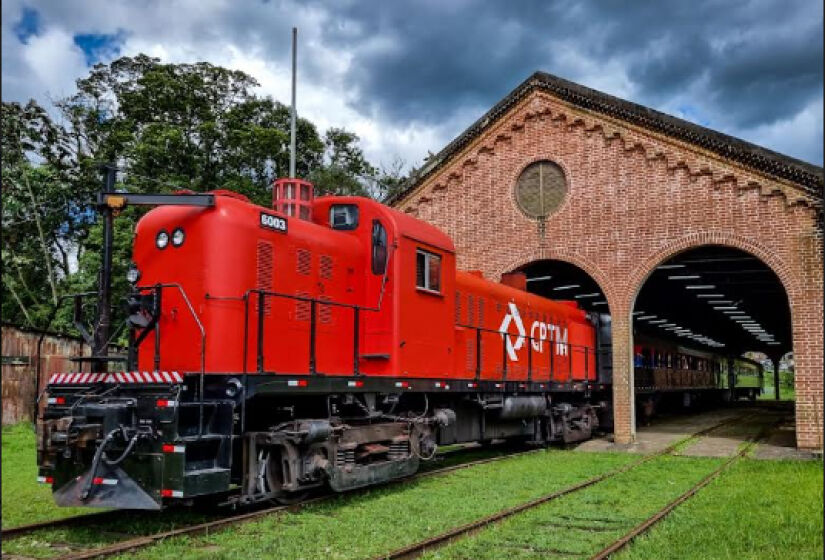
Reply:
x=233, y=387
x=133, y=274
x=162, y=240
x=166, y=493
x=178, y=237
x=57, y=400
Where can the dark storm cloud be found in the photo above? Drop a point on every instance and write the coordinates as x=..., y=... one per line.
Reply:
x=751, y=63
x=423, y=64
x=409, y=76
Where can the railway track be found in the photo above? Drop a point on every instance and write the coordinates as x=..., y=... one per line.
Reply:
x=645, y=525
x=97, y=517
x=199, y=528
x=412, y=551
x=417, y=549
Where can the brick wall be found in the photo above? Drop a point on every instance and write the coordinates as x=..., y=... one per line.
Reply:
x=635, y=198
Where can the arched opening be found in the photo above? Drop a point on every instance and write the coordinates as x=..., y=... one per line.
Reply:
x=709, y=326
x=566, y=282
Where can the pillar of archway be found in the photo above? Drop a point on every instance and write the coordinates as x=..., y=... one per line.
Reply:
x=624, y=399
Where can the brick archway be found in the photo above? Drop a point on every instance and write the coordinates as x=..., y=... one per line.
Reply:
x=640, y=275
x=642, y=186
x=590, y=269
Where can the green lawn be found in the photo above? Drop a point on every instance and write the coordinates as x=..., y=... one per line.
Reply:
x=758, y=510
x=384, y=518
x=786, y=387
x=786, y=393
x=24, y=500
x=580, y=524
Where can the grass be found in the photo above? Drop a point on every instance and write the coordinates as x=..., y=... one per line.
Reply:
x=786, y=393
x=384, y=518
x=758, y=510
x=24, y=500
x=786, y=387
x=580, y=524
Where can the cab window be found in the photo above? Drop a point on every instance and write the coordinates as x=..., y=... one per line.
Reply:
x=379, y=248
x=343, y=216
x=427, y=271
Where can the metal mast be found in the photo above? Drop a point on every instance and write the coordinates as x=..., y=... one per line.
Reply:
x=104, y=311
x=292, y=115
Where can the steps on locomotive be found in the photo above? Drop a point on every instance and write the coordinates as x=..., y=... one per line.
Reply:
x=208, y=455
x=217, y=418
x=205, y=481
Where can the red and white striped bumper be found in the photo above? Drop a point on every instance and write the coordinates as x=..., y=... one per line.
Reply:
x=124, y=377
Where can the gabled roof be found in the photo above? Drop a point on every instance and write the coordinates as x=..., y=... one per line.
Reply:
x=808, y=176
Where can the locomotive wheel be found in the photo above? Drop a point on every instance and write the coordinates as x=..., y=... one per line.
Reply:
x=277, y=463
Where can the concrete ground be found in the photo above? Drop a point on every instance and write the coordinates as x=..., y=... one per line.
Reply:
x=778, y=443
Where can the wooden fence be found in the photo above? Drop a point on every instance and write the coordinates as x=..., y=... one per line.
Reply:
x=20, y=366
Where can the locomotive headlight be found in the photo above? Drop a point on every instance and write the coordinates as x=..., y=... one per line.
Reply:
x=133, y=274
x=178, y=237
x=162, y=240
x=233, y=387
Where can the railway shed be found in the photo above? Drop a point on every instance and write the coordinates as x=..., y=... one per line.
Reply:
x=677, y=231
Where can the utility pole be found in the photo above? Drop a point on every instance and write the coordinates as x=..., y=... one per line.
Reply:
x=104, y=311
x=293, y=111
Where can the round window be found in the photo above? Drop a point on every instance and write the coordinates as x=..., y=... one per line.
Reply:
x=540, y=189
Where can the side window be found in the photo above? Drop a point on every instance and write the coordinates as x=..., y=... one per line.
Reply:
x=343, y=216
x=427, y=271
x=379, y=248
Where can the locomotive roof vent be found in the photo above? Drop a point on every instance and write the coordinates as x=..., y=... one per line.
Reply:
x=293, y=197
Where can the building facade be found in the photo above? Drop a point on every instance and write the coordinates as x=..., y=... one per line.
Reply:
x=640, y=187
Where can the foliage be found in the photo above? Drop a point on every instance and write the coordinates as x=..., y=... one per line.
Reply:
x=166, y=127
x=758, y=509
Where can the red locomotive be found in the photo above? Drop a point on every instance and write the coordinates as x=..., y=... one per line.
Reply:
x=327, y=341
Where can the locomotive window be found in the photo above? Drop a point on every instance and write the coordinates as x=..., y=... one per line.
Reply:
x=427, y=271
x=343, y=216
x=379, y=248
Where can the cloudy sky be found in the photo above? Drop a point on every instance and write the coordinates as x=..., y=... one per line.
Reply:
x=410, y=76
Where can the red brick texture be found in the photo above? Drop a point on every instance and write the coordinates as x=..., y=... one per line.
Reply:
x=635, y=198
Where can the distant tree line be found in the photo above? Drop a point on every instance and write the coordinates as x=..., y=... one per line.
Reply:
x=166, y=127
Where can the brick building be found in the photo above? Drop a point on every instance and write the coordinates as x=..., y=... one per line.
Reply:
x=638, y=188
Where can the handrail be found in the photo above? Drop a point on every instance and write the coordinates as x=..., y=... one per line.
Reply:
x=203, y=341
x=313, y=302
x=550, y=341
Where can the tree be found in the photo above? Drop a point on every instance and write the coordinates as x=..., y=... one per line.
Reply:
x=43, y=217
x=345, y=170
x=389, y=180
x=167, y=127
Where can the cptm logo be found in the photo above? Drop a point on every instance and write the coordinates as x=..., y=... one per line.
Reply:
x=539, y=333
